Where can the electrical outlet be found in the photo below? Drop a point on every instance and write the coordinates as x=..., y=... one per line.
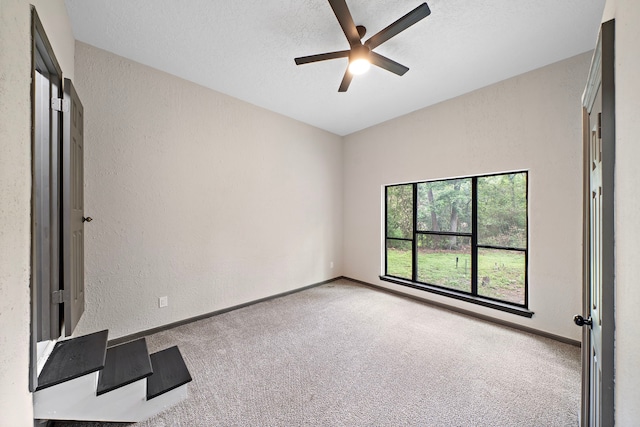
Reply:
x=331, y=264
x=163, y=301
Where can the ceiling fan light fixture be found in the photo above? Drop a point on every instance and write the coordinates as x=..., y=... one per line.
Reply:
x=359, y=62
x=359, y=66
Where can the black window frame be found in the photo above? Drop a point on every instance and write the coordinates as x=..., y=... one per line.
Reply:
x=473, y=296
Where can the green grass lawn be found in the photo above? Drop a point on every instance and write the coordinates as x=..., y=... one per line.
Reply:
x=451, y=269
x=500, y=273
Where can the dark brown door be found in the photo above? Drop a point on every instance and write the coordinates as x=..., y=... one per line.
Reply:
x=73, y=208
x=599, y=138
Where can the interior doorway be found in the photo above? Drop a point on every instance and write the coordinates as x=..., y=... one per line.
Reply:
x=46, y=221
x=57, y=258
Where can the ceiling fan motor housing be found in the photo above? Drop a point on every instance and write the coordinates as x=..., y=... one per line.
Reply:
x=359, y=52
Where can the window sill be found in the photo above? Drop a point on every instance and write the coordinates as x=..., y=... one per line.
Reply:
x=502, y=306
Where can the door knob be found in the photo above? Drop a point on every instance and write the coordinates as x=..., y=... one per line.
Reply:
x=581, y=321
x=87, y=219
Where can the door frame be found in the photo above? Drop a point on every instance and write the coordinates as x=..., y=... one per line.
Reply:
x=45, y=273
x=601, y=77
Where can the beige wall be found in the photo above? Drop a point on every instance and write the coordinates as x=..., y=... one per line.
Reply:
x=627, y=189
x=198, y=196
x=15, y=190
x=530, y=122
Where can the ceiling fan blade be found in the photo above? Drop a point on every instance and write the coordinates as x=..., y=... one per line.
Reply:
x=346, y=81
x=322, y=57
x=346, y=21
x=400, y=25
x=387, y=64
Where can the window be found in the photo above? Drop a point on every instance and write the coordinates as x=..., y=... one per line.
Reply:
x=465, y=238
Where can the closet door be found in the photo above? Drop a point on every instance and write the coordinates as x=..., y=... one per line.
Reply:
x=73, y=208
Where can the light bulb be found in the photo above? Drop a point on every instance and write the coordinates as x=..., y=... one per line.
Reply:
x=359, y=66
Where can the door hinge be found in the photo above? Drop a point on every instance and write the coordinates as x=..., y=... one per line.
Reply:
x=59, y=104
x=57, y=297
x=599, y=125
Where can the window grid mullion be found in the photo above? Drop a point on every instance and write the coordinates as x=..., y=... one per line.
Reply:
x=443, y=233
x=386, y=229
x=502, y=248
x=414, y=253
x=526, y=253
x=474, y=236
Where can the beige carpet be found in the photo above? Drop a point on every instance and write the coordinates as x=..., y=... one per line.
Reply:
x=343, y=354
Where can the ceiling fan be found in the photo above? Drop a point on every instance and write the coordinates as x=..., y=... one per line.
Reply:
x=361, y=54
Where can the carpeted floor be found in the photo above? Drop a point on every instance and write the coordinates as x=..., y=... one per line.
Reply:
x=343, y=354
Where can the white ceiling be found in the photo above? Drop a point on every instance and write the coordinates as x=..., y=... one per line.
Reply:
x=245, y=48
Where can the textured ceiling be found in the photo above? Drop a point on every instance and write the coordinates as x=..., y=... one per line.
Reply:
x=245, y=48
